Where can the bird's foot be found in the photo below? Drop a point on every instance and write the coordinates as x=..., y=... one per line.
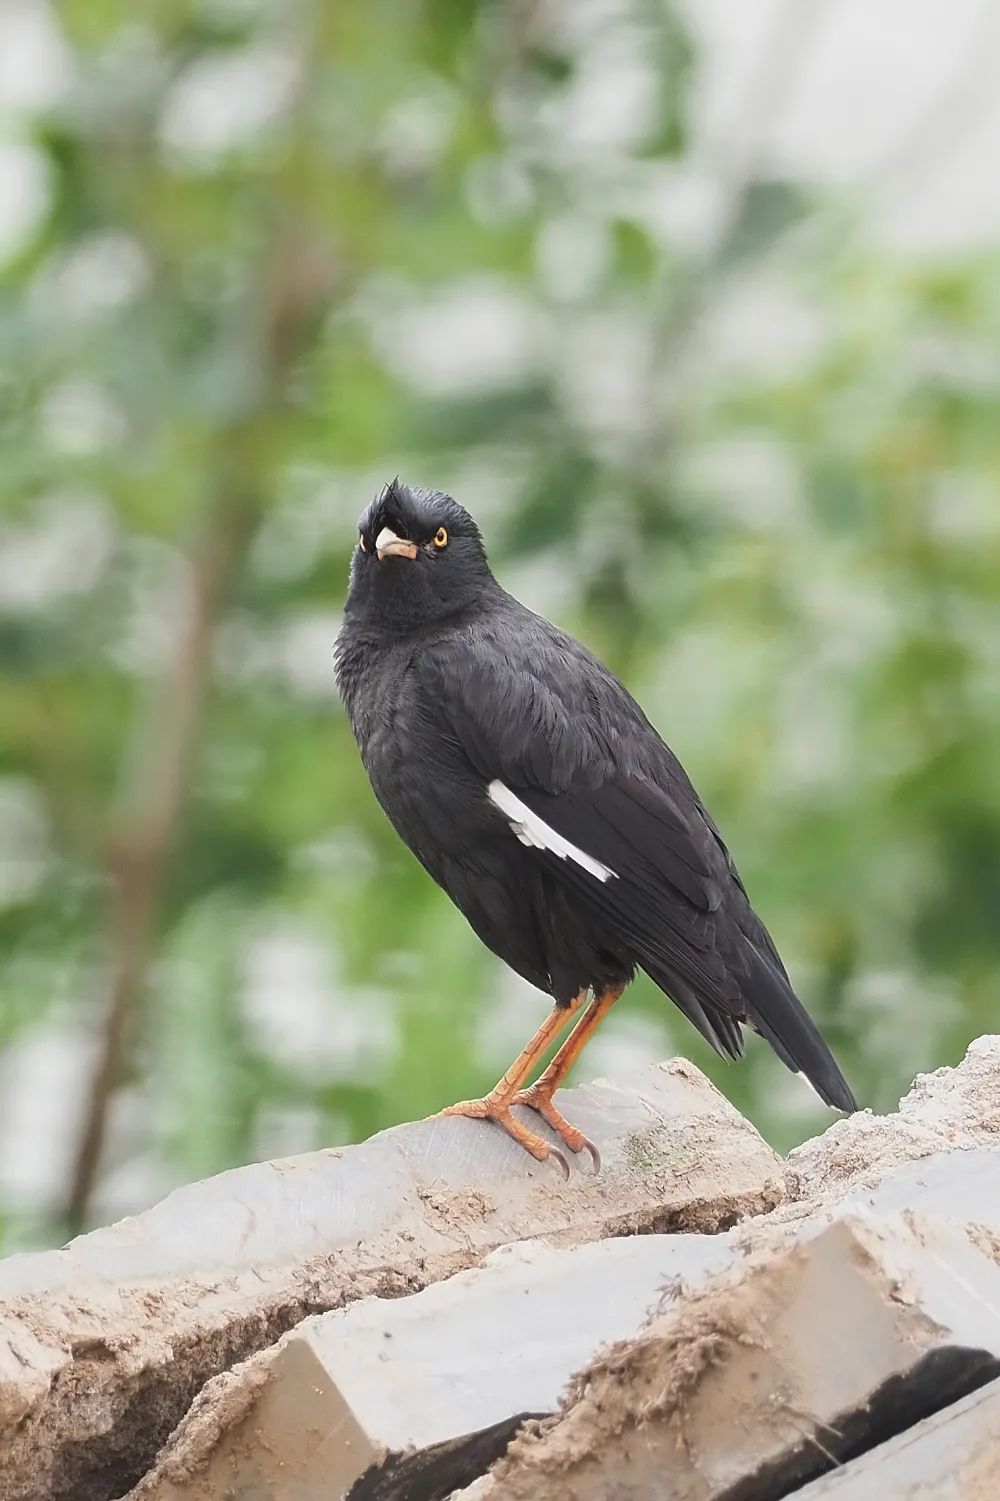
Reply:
x=497, y=1108
x=538, y=1097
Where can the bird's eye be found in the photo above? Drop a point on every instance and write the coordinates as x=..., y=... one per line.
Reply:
x=361, y=544
x=441, y=537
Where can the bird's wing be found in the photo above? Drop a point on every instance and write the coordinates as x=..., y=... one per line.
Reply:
x=572, y=763
x=558, y=730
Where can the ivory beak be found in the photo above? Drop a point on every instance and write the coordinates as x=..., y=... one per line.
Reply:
x=388, y=545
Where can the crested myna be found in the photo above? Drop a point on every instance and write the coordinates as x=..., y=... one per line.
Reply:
x=532, y=787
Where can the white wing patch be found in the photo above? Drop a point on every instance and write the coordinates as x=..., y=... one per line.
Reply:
x=534, y=831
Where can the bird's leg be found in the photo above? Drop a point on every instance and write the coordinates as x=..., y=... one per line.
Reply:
x=538, y=1096
x=495, y=1106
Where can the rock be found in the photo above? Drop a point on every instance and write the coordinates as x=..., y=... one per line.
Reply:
x=963, y=1187
x=104, y=1344
x=952, y=1456
x=951, y=1109
x=806, y=1353
x=410, y=1396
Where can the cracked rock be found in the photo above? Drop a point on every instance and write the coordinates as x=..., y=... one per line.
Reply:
x=806, y=1355
x=406, y=1398
x=105, y=1344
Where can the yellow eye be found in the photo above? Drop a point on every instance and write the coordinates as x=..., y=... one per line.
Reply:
x=441, y=537
x=361, y=544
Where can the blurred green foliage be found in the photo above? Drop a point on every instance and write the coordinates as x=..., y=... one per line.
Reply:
x=290, y=251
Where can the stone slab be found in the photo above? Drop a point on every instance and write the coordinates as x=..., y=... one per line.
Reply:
x=961, y=1186
x=807, y=1354
x=104, y=1344
x=408, y=1397
x=951, y=1110
x=952, y=1456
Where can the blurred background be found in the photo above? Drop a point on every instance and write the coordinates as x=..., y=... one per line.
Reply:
x=697, y=307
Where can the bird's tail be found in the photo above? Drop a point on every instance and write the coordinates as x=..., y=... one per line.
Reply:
x=775, y=1011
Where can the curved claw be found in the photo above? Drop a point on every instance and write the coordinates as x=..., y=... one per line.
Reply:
x=562, y=1160
x=595, y=1153
x=540, y=1100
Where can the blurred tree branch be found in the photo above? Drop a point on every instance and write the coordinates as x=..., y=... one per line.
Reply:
x=293, y=286
x=138, y=858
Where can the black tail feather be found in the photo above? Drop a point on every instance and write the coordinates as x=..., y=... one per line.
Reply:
x=771, y=1007
x=717, y=964
x=775, y=1011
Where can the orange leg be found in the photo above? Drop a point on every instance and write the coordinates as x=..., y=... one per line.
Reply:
x=495, y=1106
x=538, y=1096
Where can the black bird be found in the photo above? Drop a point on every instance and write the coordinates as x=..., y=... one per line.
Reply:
x=528, y=782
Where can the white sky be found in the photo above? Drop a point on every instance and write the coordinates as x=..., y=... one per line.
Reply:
x=900, y=94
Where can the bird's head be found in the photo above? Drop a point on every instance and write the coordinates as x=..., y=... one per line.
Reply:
x=419, y=558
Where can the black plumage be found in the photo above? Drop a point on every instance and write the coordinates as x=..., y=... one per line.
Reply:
x=531, y=786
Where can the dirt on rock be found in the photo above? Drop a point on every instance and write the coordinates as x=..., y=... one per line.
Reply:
x=635, y=1402
x=168, y=1319
x=952, y=1109
x=104, y=1346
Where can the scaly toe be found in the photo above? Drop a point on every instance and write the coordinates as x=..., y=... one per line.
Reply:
x=498, y=1111
x=476, y=1110
x=541, y=1102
